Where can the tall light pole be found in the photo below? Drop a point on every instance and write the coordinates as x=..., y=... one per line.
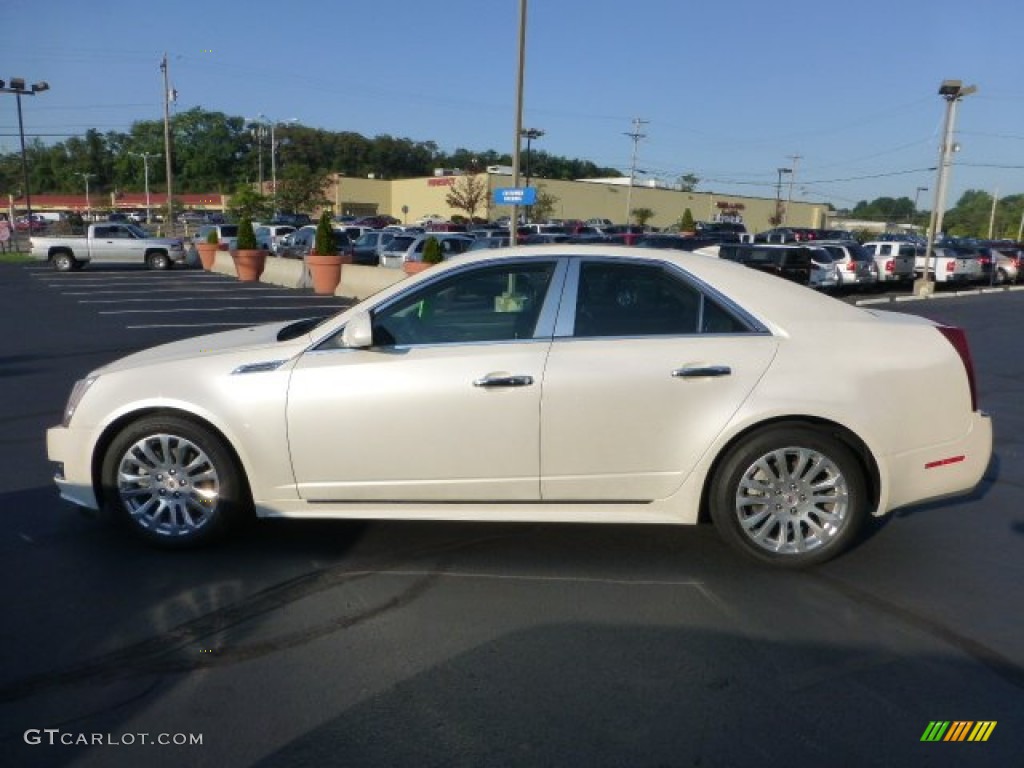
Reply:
x=778, y=196
x=635, y=135
x=952, y=91
x=917, y=193
x=16, y=85
x=145, y=170
x=273, y=155
x=530, y=134
x=789, y=197
x=88, y=202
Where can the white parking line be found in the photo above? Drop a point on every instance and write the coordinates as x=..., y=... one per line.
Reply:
x=186, y=298
x=210, y=309
x=168, y=290
x=191, y=325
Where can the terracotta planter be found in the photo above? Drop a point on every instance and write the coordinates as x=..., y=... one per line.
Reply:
x=207, y=254
x=415, y=267
x=325, y=272
x=249, y=264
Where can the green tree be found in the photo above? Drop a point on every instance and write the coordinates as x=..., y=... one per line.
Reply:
x=643, y=215
x=248, y=203
x=469, y=194
x=301, y=190
x=544, y=207
x=686, y=223
x=688, y=182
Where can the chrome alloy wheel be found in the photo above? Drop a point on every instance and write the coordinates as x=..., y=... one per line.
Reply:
x=792, y=500
x=168, y=485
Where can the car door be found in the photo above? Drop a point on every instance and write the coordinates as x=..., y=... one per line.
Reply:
x=646, y=369
x=445, y=404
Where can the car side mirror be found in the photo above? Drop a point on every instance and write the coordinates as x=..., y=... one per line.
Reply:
x=358, y=333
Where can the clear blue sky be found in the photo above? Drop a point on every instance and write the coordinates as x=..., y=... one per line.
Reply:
x=730, y=90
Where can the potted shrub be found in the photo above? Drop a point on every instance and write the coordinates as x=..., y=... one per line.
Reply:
x=208, y=249
x=323, y=260
x=686, y=224
x=249, y=258
x=431, y=255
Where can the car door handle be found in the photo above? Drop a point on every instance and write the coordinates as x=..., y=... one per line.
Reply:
x=504, y=381
x=702, y=372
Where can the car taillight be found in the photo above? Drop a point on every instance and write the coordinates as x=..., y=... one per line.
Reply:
x=958, y=338
x=950, y=265
x=851, y=267
x=890, y=266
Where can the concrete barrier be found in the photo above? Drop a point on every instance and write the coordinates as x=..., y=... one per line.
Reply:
x=285, y=272
x=358, y=282
x=224, y=264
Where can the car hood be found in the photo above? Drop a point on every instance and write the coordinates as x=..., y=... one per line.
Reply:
x=260, y=340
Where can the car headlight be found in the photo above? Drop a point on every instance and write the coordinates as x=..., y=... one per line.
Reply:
x=77, y=393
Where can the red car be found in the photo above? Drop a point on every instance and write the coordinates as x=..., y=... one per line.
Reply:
x=22, y=224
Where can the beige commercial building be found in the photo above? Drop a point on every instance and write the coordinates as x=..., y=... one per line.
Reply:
x=412, y=199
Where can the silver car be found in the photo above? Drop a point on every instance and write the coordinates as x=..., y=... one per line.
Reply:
x=405, y=248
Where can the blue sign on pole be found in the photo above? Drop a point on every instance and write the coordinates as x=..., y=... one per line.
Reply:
x=515, y=196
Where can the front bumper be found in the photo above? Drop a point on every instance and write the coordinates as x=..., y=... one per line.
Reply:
x=69, y=449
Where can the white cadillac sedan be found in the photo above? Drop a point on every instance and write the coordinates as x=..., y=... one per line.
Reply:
x=553, y=383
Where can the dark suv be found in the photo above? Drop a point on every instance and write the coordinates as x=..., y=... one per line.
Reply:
x=792, y=262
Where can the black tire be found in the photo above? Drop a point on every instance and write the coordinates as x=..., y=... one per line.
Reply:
x=158, y=260
x=185, y=490
x=64, y=261
x=763, y=501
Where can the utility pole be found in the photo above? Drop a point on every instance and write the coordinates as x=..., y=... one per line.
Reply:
x=169, y=96
x=635, y=135
x=992, y=216
x=513, y=225
x=792, y=179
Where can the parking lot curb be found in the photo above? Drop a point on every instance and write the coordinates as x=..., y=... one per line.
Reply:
x=929, y=297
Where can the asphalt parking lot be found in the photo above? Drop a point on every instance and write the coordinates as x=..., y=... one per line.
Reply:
x=415, y=644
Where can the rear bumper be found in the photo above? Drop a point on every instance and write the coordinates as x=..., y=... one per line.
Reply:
x=940, y=471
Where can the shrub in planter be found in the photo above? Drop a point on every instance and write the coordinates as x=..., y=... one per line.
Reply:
x=432, y=251
x=323, y=260
x=250, y=260
x=323, y=243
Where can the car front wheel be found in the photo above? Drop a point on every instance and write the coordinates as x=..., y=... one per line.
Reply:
x=789, y=496
x=159, y=261
x=174, y=482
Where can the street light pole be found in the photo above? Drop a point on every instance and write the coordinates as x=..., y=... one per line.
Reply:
x=145, y=170
x=778, y=196
x=17, y=86
x=88, y=203
x=913, y=213
x=273, y=155
x=952, y=91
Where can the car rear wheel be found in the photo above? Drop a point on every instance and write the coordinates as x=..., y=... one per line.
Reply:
x=790, y=496
x=174, y=482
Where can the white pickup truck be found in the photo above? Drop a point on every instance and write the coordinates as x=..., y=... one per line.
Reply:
x=949, y=266
x=109, y=242
x=896, y=260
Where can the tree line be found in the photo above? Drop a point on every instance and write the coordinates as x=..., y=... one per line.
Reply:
x=973, y=215
x=214, y=152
